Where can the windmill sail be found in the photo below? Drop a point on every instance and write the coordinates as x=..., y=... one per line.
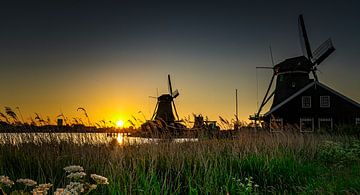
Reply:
x=305, y=37
x=175, y=94
x=323, y=51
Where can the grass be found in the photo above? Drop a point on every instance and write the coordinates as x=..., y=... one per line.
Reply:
x=253, y=163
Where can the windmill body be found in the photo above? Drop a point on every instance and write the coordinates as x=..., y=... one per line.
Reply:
x=164, y=109
x=163, y=118
x=301, y=100
x=292, y=75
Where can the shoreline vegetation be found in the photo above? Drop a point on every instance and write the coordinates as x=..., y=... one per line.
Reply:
x=260, y=162
x=227, y=132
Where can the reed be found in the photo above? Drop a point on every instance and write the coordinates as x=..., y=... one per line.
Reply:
x=253, y=163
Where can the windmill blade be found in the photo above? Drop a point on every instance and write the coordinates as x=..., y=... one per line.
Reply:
x=266, y=94
x=323, y=51
x=155, y=111
x=264, y=67
x=270, y=96
x=305, y=37
x=177, y=116
x=175, y=94
x=170, y=87
x=271, y=55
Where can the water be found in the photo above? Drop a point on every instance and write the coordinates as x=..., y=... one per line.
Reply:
x=79, y=138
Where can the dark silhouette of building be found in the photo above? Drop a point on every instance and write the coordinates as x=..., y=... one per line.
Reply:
x=302, y=101
x=315, y=106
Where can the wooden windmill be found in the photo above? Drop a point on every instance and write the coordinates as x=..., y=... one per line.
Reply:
x=163, y=117
x=165, y=106
x=292, y=74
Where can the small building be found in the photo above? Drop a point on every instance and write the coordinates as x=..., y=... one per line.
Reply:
x=314, y=107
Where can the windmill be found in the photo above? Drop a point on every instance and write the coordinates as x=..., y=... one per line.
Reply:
x=165, y=108
x=292, y=74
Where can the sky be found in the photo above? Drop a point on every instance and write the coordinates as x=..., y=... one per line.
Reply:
x=110, y=56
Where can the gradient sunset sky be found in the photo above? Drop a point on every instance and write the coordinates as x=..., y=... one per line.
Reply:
x=110, y=56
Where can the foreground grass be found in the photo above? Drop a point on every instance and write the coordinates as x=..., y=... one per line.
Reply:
x=285, y=163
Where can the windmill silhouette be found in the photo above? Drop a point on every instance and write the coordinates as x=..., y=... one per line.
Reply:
x=165, y=106
x=292, y=74
x=163, y=116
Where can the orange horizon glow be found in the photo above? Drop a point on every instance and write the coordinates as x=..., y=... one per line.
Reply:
x=125, y=100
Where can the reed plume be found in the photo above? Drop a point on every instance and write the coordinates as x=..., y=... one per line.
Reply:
x=86, y=115
x=39, y=119
x=5, y=117
x=11, y=113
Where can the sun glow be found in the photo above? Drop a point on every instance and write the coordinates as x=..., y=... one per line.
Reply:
x=120, y=123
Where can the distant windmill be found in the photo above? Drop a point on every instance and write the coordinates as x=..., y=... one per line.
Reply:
x=165, y=105
x=293, y=73
x=165, y=108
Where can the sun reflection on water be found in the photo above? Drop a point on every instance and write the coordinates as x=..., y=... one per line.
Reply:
x=120, y=139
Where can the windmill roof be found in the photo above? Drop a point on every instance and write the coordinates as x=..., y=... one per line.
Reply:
x=306, y=88
x=292, y=64
x=165, y=97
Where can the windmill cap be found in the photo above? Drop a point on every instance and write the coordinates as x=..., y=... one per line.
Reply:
x=300, y=63
x=165, y=98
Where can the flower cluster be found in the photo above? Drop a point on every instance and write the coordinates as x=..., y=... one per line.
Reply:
x=76, y=175
x=99, y=179
x=27, y=182
x=4, y=180
x=41, y=189
x=78, y=183
x=74, y=188
x=73, y=168
x=249, y=186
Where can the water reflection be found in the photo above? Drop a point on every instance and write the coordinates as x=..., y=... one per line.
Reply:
x=125, y=139
x=80, y=138
x=120, y=139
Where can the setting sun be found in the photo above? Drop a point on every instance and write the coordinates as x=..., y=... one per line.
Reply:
x=120, y=123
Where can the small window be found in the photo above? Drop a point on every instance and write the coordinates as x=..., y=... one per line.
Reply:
x=306, y=124
x=306, y=101
x=324, y=101
x=325, y=124
x=276, y=124
x=357, y=121
x=281, y=77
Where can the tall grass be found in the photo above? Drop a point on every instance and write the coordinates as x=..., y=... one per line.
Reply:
x=285, y=163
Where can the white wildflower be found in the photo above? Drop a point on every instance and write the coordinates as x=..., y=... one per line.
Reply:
x=59, y=191
x=76, y=175
x=73, y=168
x=27, y=182
x=74, y=188
x=45, y=185
x=92, y=187
x=42, y=188
x=39, y=192
x=99, y=179
x=6, y=181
